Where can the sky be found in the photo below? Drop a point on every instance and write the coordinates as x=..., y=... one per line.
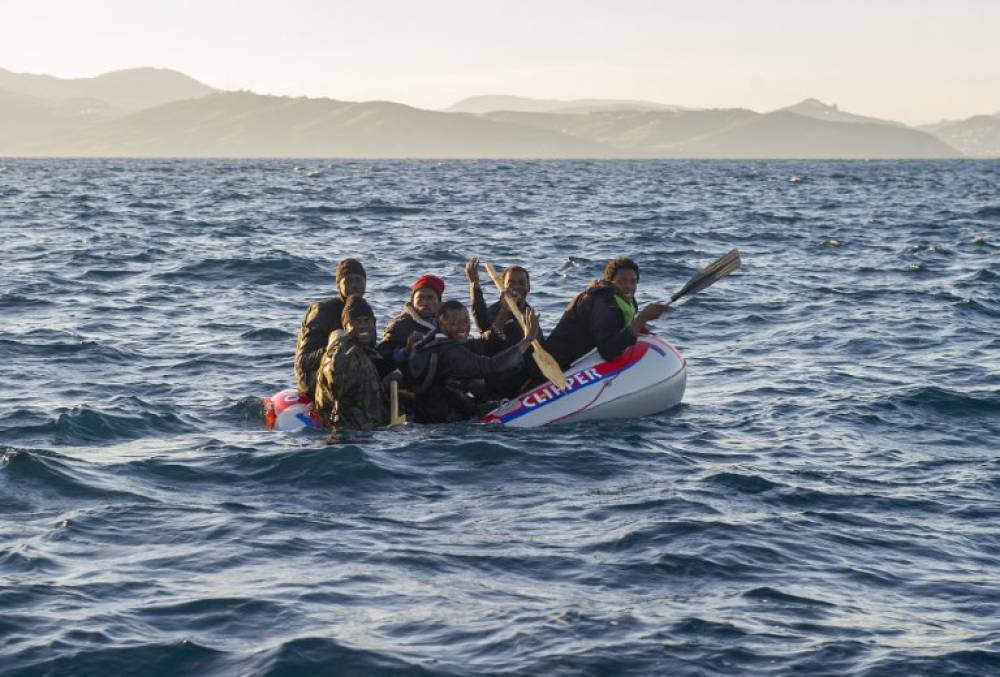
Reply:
x=915, y=61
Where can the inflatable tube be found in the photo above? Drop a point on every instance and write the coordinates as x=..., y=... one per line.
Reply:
x=290, y=410
x=649, y=377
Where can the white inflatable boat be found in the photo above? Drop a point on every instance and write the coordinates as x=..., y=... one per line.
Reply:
x=647, y=378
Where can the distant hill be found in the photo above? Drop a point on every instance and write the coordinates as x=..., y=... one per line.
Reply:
x=45, y=116
x=118, y=92
x=25, y=117
x=243, y=124
x=490, y=103
x=782, y=134
x=978, y=136
x=816, y=109
x=737, y=133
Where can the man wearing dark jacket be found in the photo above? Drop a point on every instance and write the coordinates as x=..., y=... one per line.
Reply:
x=447, y=369
x=416, y=320
x=517, y=282
x=322, y=319
x=349, y=393
x=604, y=316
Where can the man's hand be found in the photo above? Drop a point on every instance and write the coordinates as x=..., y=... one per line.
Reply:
x=530, y=329
x=472, y=270
x=647, y=314
x=414, y=338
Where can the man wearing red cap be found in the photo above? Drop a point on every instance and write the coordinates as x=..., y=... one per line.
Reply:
x=416, y=320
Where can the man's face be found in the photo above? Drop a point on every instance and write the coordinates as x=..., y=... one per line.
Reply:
x=517, y=282
x=352, y=284
x=625, y=281
x=426, y=301
x=361, y=329
x=455, y=325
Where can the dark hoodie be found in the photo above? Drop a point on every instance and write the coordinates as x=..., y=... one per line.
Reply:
x=591, y=320
x=447, y=377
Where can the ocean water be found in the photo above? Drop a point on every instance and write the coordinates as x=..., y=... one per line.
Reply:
x=825, y=501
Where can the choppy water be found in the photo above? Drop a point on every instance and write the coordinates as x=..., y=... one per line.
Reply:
x=825, y=501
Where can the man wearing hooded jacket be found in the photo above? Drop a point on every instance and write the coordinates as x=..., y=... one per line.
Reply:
x=415, y=321
x=604, y=316
x=322, y=319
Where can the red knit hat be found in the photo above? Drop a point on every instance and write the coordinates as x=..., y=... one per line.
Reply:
x=432, y=281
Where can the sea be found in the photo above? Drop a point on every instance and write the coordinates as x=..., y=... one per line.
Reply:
x=825, y=501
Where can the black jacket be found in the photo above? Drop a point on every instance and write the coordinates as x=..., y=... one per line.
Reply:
x=591, y=320
x=484, y=316
x=321, y=320
x=446, y=377
x=508, y=384
x=394, y=337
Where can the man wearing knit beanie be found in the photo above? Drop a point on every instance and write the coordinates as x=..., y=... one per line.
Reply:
x=349, y=394
x=323, y=318
x=415, y=321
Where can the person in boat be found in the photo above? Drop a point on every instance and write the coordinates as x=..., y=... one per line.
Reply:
x=604, y=316
x=322, y=319
x=517, y=282
x=349, y=391
x=415, y=321
x=447, y=369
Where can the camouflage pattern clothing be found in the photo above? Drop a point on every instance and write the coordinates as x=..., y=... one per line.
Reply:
x=349, y=393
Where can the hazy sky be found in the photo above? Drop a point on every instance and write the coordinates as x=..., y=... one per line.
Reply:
x=909, y=60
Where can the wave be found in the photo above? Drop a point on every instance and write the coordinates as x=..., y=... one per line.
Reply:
x=312, y=654
x=267, y=335
x=280, y=268
x=35, y=478
x=167, y=657
x=988, y=212
x=118, y=418
x=346, y=466
x=375, y=207
x=943, y=401
x=13, y=301
x=62, y=345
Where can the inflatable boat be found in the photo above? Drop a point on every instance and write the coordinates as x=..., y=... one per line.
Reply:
x=649, y=377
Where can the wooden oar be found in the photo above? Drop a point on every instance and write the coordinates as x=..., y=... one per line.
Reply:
x=709, y=275
x=394, y=417
x=545, y=361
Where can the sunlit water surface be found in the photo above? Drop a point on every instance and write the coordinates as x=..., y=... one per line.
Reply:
x=825, y=500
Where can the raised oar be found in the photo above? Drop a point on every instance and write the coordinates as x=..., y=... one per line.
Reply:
x=545, y=361
x=709, y=275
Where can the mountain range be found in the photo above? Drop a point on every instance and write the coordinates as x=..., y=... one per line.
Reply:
x=146, y=112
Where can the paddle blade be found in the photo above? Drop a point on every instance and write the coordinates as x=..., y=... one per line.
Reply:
x=548, y=365
x=710, y=274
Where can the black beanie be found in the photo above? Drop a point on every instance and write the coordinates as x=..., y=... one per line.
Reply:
x=348, y=266
x=355, y=306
